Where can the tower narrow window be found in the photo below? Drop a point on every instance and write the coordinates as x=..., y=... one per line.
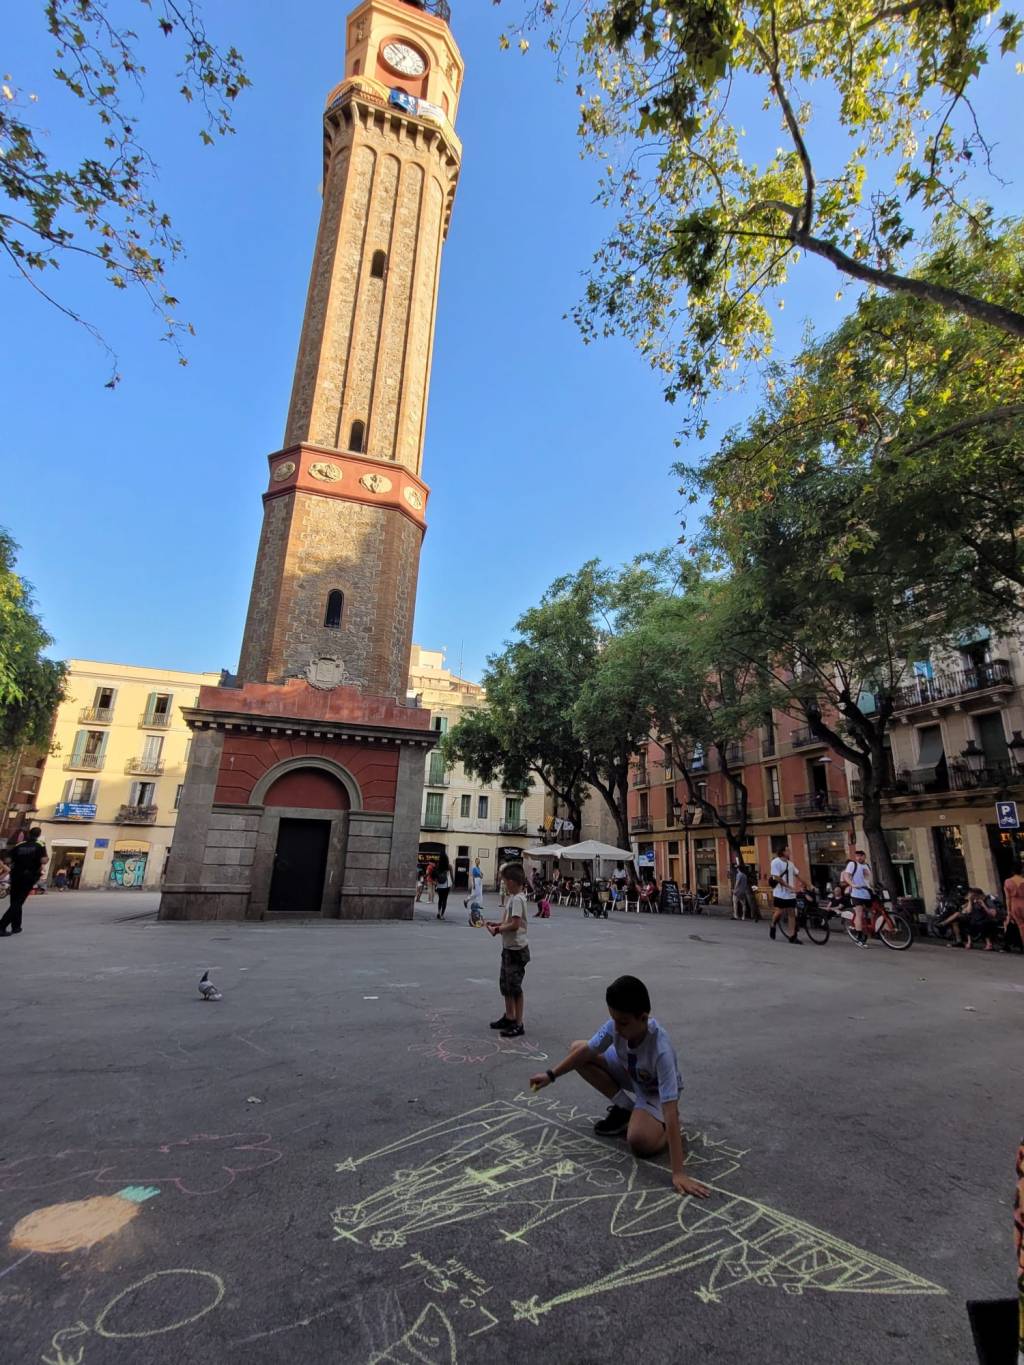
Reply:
x=335, y=606
x=378, y=265
x=357, y=66
x=357, y=437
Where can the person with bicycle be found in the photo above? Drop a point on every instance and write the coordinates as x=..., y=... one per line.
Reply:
x=859, y=883
x=785, y=881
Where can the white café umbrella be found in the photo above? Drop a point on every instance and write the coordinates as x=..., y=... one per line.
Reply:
x=591, y=850
x=544, y=851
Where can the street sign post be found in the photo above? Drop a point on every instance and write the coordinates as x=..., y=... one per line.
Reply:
x=1006, y=815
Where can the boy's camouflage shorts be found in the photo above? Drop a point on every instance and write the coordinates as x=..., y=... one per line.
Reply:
x=513, y=969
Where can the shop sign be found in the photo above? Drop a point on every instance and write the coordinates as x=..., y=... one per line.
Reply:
x=74, y=810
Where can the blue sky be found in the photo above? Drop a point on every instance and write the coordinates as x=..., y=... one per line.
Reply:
x=138, y=510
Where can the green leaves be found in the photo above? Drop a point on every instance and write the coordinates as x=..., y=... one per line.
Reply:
x=30, y=685
x=705, y=239
x=102, y=207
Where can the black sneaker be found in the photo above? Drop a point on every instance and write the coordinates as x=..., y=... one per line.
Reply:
x=503, y=1023
x=798, y=941
x=861, y=940
x=616, y=1121
x=771, y=932
x=513, y=1031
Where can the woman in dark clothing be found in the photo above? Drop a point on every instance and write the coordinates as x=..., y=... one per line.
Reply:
x=442, y=883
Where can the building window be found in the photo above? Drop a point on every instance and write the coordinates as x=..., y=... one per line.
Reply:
x=465, y=807
x=142, y=794
x=378, y=265
x=773, y=792
x=444, y=102
x=152, y=750
x=177, y=795
x=357, y=437
x=441, y=724
x=434, y=815
x=513, y=810
x=436, y=775
x=335, y=607
x=357, y=66
x=158, y=709
x=81, y=791
x=481, y=807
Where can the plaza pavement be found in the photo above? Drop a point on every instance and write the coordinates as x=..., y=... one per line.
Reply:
x=340, y=1162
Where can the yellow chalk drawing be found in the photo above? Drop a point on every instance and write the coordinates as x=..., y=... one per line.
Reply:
x=114, y=1322
x=429, y=1341
x=79, y=1224
x=519, y=1165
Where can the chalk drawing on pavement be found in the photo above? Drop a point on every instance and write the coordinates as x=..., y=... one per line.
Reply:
x=518, y=1167
x=79, y=1224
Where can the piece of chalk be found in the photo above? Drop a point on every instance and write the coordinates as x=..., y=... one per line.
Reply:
x=534, y=1085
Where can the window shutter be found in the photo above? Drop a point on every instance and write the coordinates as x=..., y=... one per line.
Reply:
x=103, y=744
x=81, y=739
x=150, y=707
x=67, y=791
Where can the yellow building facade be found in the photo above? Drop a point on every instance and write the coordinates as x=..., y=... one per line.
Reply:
x=461, y=815
x=108, y=796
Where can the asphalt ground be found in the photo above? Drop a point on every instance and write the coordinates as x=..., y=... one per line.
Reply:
x=339, y=1161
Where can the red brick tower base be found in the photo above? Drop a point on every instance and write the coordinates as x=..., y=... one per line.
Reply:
x=298, y=800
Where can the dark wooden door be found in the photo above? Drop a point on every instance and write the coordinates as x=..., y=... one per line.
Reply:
x=297, y=884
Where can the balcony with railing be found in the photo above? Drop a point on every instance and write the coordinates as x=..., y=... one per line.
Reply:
x=136, y=815
x=641, y=824
x=441, y=9
x=144, y=767
x=640, y=777
x=948, y=778
x=729, y=812
x=768, y=747
x=513, y=827
x=96, y=715
x=438, y=779
x=735, y=755
x=86, y=763
x=955, y=685
x=434, y=822
x=804, y=739
x=155, y=720
x=820, y=803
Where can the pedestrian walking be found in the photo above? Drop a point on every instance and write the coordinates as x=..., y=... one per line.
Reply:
x=1013, y=897
x=443, y=883
x=25, y=862
x=428, y=877
x=741, y=895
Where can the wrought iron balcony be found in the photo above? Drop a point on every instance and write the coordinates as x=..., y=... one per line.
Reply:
x=803, y=739
x=136, y=815
x=960, y=682
x=96, y=715
x=729, y=812
x=1006, y=773
x=90, y=763
x=768, y=747
x=820, y=803
x=735, y=755
x=434, y=822
x=155, y=720
x=640, y=823
x=512, y=827
x=640, y=777
x=946, y=778
x=145, y=767
x=440, y=8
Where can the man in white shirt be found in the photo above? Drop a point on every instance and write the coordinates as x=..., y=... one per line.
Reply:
x=859, y=880
x=785, y=882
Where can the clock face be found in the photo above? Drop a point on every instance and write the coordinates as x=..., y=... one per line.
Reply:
x=401, y=57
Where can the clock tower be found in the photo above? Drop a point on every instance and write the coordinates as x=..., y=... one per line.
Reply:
x=303, y=787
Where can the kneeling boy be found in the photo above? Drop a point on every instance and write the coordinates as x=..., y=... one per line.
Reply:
x=632, y=1062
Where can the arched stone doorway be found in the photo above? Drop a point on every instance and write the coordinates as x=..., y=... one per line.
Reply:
x=303, y=836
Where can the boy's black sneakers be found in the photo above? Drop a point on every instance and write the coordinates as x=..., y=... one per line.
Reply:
x=616, y=1121
x=513, y=1031
x=503, y=1022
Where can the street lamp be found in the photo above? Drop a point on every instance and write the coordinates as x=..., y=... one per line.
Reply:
x=973, y=756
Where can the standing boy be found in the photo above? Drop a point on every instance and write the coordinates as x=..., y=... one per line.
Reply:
x=515, y=953
x=632, y=1062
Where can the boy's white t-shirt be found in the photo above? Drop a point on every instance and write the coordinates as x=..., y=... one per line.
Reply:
x=515, y=906
x=781, y=868
x=652, y=1065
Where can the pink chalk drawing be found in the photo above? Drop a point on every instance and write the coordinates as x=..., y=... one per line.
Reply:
x=205, y=1163
x=447, y=1046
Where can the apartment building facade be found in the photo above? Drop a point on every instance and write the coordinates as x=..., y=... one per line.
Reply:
x=108, y=792
x=956, y=757
x=798, y=794
x=462, y=816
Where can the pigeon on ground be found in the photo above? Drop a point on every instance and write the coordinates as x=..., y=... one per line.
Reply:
x=207, y=989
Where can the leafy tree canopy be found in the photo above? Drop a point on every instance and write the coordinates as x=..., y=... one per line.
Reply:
x=912, y=418
x=31, y=686
x=717, y=124
x=102, y=206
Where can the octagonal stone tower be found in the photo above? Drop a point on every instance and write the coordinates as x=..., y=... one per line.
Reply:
x=303, y=788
